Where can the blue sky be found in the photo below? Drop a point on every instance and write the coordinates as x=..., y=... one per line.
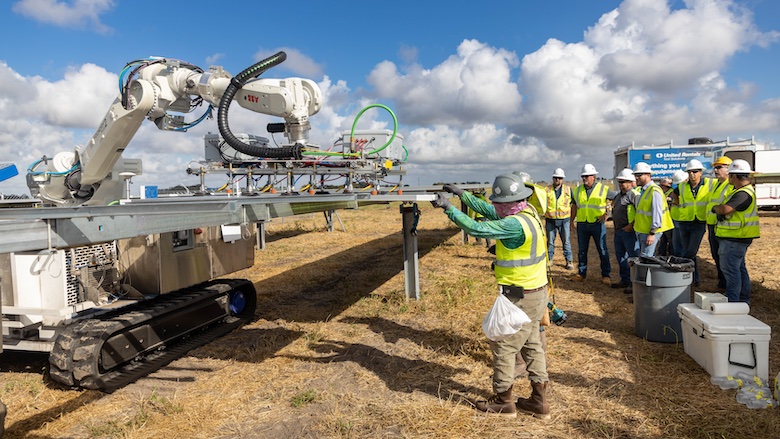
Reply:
x=478, y=89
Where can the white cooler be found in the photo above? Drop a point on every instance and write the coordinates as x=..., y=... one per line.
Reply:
x=724, y=343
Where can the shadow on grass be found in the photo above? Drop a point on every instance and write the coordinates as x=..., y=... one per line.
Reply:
x=359, y=271
x=435, y=340
x=398, y=373
x=21, y=428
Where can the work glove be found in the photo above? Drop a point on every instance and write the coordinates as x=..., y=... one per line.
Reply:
x=441, y=201
x=451, y=188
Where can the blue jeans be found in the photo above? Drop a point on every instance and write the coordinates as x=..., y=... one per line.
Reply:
x=676, y=240
x=597, y=231
x=714, y=245
x=553, y=227
x=691, y=235
x=732, y=262
x=626, y=246
x=644, y=249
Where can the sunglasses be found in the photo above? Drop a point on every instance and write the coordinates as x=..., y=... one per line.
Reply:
x=718, y=167
x=694, y=172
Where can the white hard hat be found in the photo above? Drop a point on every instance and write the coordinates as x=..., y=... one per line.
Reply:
x=679, y=176
x=559, y=173
x=740, y=166
x=626, y=175
x=642, y=168
x=524, y=177
x=588, y=169
x=694, y=165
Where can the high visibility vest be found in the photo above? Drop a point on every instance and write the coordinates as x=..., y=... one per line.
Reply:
x=558, y=208
x=538, y=199
x=740, y=224
x=720, y=191
x=694, y=208
x=631, y=209
x=525, y=266
x=590, y=208
x=644, y=212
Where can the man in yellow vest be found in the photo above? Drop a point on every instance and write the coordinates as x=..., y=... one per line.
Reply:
x=692, y=196
x=521, y=274
x=720, y=191
x=623, y=214
x=558, y=217
x=652, y=211
x=736, y=228
x=589, y=207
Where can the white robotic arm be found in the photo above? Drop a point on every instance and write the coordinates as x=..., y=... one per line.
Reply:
x=86, y=175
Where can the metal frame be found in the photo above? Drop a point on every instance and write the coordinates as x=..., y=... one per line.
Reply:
x=49, y=228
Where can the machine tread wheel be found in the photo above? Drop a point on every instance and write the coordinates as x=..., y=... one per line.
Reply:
x=76, y=358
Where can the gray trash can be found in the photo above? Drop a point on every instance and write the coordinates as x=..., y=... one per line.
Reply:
x=659, y=285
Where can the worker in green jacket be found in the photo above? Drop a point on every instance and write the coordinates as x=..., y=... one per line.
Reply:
x=521, y=274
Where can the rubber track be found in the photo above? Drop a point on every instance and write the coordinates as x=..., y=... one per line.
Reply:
x=74, y=360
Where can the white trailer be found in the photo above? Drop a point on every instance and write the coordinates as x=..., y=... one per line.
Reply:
x=666, y=158
x=766, y=163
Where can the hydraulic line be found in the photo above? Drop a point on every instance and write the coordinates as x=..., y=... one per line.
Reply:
x=352, y=135
x=236, y=83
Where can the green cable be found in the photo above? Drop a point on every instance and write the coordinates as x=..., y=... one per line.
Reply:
x=352, y=135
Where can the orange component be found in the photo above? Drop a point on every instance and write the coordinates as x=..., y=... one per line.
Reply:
x=374, y=192
x=311, y=191
x=400, y=192
x=273, y=190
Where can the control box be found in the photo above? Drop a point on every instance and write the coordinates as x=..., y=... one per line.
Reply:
x=369, y=141
x=218, y=151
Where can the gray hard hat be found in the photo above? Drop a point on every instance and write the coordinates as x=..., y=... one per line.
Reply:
x=509, y=188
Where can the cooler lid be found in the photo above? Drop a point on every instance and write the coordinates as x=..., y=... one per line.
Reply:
x=738, y=324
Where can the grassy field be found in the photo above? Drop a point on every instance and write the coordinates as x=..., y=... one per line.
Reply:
x=337, y=351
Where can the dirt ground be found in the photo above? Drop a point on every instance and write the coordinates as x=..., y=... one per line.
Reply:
x=336, y=350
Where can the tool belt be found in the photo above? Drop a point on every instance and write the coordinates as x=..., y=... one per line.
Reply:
x=514, y=292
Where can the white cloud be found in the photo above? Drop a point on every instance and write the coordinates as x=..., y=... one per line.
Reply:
x=474, y=85
x=644, y=41
x=297, y=62
x=75, y=14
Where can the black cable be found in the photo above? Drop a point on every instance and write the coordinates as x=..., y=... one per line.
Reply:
x=238, y=81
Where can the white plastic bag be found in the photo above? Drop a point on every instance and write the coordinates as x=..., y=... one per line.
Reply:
x=504, y=319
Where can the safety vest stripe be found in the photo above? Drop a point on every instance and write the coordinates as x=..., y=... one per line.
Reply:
x=534, y=248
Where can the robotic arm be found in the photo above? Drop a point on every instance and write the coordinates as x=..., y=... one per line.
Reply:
x=156, y=87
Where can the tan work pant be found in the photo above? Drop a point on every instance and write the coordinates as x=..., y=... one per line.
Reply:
x=526, y=341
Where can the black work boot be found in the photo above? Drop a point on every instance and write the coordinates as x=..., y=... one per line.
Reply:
x=536, y=405
x=500, y=404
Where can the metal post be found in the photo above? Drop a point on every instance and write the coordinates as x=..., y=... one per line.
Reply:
x=328, y=220
x=261, y=235
x=410, y=214
x=464, y=236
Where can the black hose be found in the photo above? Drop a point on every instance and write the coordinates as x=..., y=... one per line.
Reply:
x=238, y=81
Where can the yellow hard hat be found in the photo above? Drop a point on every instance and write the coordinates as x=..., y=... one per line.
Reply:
x=722, y=160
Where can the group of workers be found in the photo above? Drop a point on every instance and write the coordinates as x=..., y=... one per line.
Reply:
x=645, y=214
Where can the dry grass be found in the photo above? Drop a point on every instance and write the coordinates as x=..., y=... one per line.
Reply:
x=337, y=351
